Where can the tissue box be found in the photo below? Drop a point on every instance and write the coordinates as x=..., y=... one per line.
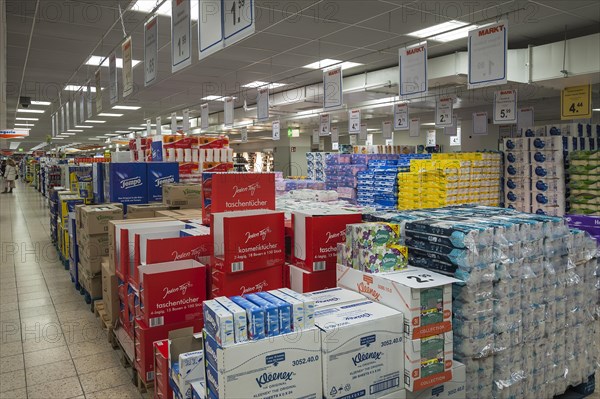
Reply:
x=428, y=361
x=183, y=195
x=454, y=389
x=127, y=183
x=545, y=143
x=159, y=174
x=423, y=297
x=334, y=297
x=362, y=346
x=191, y=369
x=375, y=247
x=240, y=321
x=316, y=235
x=266, y=368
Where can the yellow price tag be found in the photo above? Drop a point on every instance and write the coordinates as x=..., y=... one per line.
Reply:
x=576, y=102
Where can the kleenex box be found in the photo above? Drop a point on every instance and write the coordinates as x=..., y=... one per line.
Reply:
x=285, y=311
x=297, y=307
x=255, y=315
x=334, y=297
x=362, y=345
x=271, y=314
x=240, y=321
x=198, y=390
x=454, y=389
x=309, y=306
x=191, y=368
x=218, y=322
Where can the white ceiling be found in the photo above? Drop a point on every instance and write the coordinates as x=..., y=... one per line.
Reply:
x=288, y=36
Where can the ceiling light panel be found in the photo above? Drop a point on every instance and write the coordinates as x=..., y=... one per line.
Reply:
x=109, y=114
x=27, y=119
x=126, y=107
x=31, y=111
x=440, y=32
x=327, y=62
x=95, y=60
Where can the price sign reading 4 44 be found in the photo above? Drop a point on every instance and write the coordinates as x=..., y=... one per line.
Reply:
x=576, y=102
x=505, y=107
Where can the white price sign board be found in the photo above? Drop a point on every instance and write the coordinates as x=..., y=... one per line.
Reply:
x=335, y=146
x=386, y=129
x=276, y=130
x=430, y=138
x=148, y=127
x=354, y=121
x=62, y=120
x=455, y=141
x=181, y=35
x=505, y=107
x=158, y=126
x=315, y=136
x=210, y=27
x=401, y=121
x=74, y=108
x=174, y=123
x=150, y=51
x=363, y=131
x=244, y=134
x=480, y=125
x=54, y=125
x=525, y=118
x=415, y=125
x=98, y=91
x=112, y=77
x=127, y=71
x=389, y=141
x=67, y=116
x=443, y=112
x=335, y=134
x=186, y=120
x=229, y=102
x=353, y=139
x=413, y=71
x=204, y=116
x=488, y=49
x=82, y=106
x=451, y=130
x=238, y=20
x=325, y=125
x=333, y=88
x=90, y=109
x=262, y=107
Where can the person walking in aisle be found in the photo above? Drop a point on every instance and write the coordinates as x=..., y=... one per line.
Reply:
x=10, y=175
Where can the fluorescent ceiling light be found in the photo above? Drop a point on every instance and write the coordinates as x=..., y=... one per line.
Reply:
x=436, y=32
x=77, y=88
x=111, y=115
x=67, y=134
x=94, y=121
x=216, y=98
x=41, y=103
x=111, y=135
x=126, y=107
x=179, y=118
x=258, y=83
x=428, y=124
x=122, y=131
x=84, y=127
x=327, y=62
x=58, y=138
x=27, y=119
x=135, y=128
x=146, y=6
x=25, y=124
x=14, y=145
x=96, y=59
x=75, y=131
x=151, y=125
x=93, y=139
x=31, y=111
x=595, y=110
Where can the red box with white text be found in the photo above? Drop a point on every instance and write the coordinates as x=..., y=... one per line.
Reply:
x=225, y=284
x=301, y=280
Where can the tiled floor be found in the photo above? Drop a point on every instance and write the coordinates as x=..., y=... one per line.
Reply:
x=51, y=345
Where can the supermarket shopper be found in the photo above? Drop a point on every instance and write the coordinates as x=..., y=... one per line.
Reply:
x=10, y=175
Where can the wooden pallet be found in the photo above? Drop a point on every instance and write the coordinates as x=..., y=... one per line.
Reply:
x=126, y=347
x=142, y=386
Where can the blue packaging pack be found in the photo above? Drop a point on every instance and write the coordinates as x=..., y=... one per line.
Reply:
x=271, y=314
x=285, y=311
x=127, y=183
x=297, y=309
x=157, y=151
x=255, y=315
x=160, y=173
x=218, y=322
x=98, y=182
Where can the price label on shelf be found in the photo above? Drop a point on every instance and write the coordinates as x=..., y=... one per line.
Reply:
x=505, y=107
x=443, y=112
x=354, y=121
x=276, y=130
x=325, y=125
x=401, y=116
x=576, y=102
x=150, y=51
x=488, y=49
x=181, y=35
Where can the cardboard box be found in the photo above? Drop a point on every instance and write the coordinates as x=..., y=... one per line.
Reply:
x=265, y=368
x=159, y=174
x=172, y=292
x=126, y=183
x=183, y=340
x=91, y=283
x=454, y=389
x=226, y=284
x=428, y=361
x=92, y=246
x=191, y=369
x=91, y=265
x=248, y=240
x=316, y=235
x=110, y=296
x=334, y=297
x=94, y=219
x=142, y=211
x=199, y=248
x=184, y=195
x=362, y=346
x=401, y=394
x=423, y=297
x=301, y=280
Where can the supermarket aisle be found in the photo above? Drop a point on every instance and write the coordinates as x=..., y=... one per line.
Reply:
x=51, y=345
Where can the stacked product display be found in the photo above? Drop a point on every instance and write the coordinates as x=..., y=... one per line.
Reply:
x=584, y=182
x=315, y=165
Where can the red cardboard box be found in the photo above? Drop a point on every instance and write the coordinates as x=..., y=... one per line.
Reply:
x=146, y=336
x=225, y=284
x=301, y=280
x=228, y=192
x=172, y=292
x=247, y=240
x=162, y=389
x=316, y=235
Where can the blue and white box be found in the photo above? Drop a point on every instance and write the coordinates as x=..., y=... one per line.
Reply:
x=297, y=309
x=127, y=183
x=160, y=173
x=285, y=311
x=334, y=297
x=271, y=314
x=362, y=350
x=98, y=182
x=255, y=315
x=191, y=369
x=309, y=306
x=218, y=322
x=240, y=321
x=157, y=151
x=198, y=390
